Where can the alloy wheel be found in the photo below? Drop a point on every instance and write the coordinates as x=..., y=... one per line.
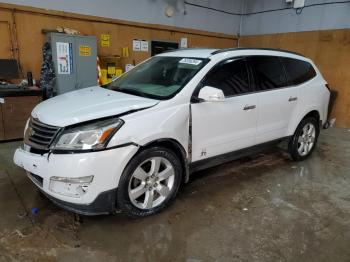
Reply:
x=151, y=183
x=306, y=139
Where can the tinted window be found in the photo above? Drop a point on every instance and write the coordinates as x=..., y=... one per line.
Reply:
x=269, y=72
x=298, y=71
x=230, y=76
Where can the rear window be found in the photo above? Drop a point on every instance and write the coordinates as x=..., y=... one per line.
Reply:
x=298, y=71
x=268, y=72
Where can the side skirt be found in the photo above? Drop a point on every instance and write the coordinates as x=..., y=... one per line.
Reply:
x=227, y=157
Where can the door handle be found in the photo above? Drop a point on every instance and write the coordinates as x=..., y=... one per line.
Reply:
x=291, y=99
x=247, y=107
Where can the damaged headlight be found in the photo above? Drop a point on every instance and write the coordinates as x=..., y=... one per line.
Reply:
x=92, y=136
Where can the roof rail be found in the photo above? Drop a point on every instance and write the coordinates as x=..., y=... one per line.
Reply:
x=184, y=49
x=242, y=48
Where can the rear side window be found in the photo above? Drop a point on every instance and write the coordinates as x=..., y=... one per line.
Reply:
x=298, y=71
x=231, y=76
x=268, y=72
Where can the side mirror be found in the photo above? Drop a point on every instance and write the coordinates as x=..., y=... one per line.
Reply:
x=211, y=94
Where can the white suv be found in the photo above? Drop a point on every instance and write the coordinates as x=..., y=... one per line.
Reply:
x=130, y=145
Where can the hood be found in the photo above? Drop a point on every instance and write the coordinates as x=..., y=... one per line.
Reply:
x=87, y=104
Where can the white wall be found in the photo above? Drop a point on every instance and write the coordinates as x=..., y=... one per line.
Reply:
x=152, y=11
x=335, y=16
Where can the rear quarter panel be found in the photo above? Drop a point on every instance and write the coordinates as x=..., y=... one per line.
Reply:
x=313, y=95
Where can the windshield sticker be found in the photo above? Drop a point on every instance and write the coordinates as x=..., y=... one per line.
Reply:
x=190, y=61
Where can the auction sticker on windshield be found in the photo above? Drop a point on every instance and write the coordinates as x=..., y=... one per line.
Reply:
x=190, y=61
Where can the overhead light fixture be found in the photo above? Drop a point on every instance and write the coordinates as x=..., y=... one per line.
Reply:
x=169, y=11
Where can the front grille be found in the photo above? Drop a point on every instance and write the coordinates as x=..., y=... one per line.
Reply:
x=39, y=135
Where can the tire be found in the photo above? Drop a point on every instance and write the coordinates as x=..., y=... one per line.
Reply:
x=303, y=142
x=144, y=191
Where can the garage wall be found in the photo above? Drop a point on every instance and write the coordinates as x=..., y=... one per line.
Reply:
x=152, y=11
x=318, y=17
x=306, y=34
x=26, y=39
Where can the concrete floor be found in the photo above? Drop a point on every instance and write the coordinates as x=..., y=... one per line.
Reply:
x=262, y=208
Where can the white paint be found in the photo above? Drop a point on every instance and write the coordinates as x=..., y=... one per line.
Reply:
x=87, y=104
x=217, y=127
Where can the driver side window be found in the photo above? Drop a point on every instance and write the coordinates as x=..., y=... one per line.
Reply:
x=231, y=76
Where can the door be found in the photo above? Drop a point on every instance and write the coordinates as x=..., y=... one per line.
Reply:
x=86, y=61
x=75, y=59
x=222, y=127
x=158, y=47
x=277, y=102
x=63, y=57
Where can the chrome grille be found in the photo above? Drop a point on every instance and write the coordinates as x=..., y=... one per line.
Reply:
x=39, y=135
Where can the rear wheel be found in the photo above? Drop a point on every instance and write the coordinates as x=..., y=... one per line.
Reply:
x=149, y=182
x=304, y=139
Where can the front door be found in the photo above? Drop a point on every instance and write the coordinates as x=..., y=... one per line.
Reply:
x=222, y=127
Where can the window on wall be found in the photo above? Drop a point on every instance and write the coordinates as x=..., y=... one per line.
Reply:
x=231, y=77
x=268, y=72
x=298, y=71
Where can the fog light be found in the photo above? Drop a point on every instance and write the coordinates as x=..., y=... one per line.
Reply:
x=72, y=187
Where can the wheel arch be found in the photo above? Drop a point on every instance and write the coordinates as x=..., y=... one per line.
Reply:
x=312, y=112
x=174, y=146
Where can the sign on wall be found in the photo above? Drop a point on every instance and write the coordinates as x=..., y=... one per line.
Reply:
x=183, y=42
x=105, y=40
x=144, y=46
x=136, y=45
x=64, y=58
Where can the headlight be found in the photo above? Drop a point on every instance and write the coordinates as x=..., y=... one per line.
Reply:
x=88, y=137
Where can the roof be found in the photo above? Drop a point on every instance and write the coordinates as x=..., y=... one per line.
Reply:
x=206, y=53
x=258, y=49
x=190, y=52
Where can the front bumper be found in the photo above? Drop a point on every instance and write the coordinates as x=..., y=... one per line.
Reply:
x=106, y=167
x=103, y=204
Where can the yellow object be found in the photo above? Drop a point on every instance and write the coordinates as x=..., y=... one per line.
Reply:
x=105, y=40
x=125, y=51
x=111, y=70
x=118, y=72
x=104, y=79
x=85, y=50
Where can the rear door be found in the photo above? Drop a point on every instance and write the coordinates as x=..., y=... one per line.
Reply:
x=277, y=100
x=222, y=127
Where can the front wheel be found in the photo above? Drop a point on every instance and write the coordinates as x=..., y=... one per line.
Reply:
x=304, y=140
x=150, y=182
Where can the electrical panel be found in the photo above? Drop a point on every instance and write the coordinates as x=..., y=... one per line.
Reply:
x=75, y=61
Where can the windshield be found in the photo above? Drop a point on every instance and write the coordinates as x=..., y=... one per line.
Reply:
x=159, y=77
